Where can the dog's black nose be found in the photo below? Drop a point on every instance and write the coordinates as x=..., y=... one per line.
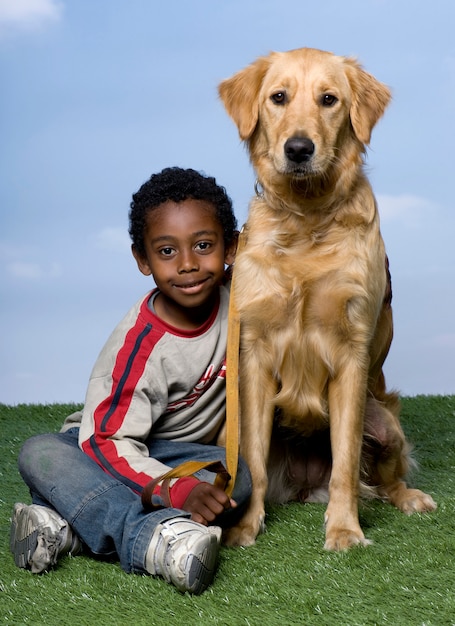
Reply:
x=299, y=149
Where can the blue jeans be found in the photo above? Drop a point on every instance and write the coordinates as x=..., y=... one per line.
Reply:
x=105, y=513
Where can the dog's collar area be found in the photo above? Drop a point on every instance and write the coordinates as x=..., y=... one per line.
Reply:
x=262, y=194
x=258, y=188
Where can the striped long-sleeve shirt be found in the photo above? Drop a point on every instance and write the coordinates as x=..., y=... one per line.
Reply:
x=154, y=381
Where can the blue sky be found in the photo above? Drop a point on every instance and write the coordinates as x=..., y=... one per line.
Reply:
x=98, y=94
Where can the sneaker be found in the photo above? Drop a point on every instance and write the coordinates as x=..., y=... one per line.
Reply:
x=39, y=536
x=184, y=553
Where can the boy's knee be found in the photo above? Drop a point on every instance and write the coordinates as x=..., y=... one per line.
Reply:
x=31, y=452
x=37, y=456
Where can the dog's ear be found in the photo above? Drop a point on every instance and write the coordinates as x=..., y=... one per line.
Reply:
x=369, y=100
x=240, y=96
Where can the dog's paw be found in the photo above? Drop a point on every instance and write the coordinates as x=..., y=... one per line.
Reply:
x=235, y=537
x=342, y=529
x=416, y=501
x=244, y=534
x=345, y=539
x=338, y=539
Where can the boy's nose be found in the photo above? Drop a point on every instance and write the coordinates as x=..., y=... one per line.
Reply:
x=188, y=262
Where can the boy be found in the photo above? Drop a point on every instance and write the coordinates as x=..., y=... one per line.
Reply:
x=156, y=398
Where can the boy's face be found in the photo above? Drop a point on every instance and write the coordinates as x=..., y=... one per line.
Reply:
x=185, y=253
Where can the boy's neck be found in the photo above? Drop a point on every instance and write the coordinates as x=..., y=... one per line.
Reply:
x=180, y=317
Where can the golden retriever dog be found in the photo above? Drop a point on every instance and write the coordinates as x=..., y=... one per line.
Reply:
x=313, y=291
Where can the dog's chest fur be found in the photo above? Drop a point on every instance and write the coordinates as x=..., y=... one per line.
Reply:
x=300, y=292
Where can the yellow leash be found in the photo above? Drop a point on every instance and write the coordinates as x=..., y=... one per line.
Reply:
x=225, y=478
x=232, y=382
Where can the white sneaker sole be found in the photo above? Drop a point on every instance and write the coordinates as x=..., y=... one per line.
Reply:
x=25, y=530
x=201, y=564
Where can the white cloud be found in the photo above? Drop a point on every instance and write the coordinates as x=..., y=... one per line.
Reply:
x=12, y=257
x=404, y=207
x=32, y=271
x=28, y=14
x=446, y=341
x=114, y=239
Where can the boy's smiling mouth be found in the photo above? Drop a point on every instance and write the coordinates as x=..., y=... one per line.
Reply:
x=191, y=286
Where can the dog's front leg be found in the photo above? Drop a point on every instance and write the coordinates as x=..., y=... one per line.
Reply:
x=347, y=396
x=257, y=389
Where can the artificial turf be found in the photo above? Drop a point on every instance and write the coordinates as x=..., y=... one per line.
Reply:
x=407, y=576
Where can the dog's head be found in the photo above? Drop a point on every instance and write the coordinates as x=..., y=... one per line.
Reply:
x=301, y=111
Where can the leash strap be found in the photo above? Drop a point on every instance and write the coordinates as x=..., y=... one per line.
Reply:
x=232, y=380
x=184, y=469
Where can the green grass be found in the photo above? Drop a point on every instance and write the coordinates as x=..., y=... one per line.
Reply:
x=406, y=577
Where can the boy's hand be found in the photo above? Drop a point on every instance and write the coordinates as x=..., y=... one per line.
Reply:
x=205, y=502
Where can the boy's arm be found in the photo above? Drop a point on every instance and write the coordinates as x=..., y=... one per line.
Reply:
x=115, y=439
x=115, y=436
x=127, y=392
x=122, y=403
x=128, y=460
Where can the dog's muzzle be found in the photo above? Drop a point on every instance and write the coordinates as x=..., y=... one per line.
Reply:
x=299, y=149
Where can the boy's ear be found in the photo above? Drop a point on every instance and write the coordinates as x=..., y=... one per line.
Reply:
x=142, y=262
x=231, y=249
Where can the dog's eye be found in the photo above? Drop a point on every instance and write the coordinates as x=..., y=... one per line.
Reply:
x=328, y=100
x=279, y=97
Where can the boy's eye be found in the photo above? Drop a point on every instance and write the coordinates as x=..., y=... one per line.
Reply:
x=166, y=251
x=203, y=245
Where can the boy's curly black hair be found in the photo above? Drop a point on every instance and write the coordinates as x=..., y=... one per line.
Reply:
x=177, y=184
